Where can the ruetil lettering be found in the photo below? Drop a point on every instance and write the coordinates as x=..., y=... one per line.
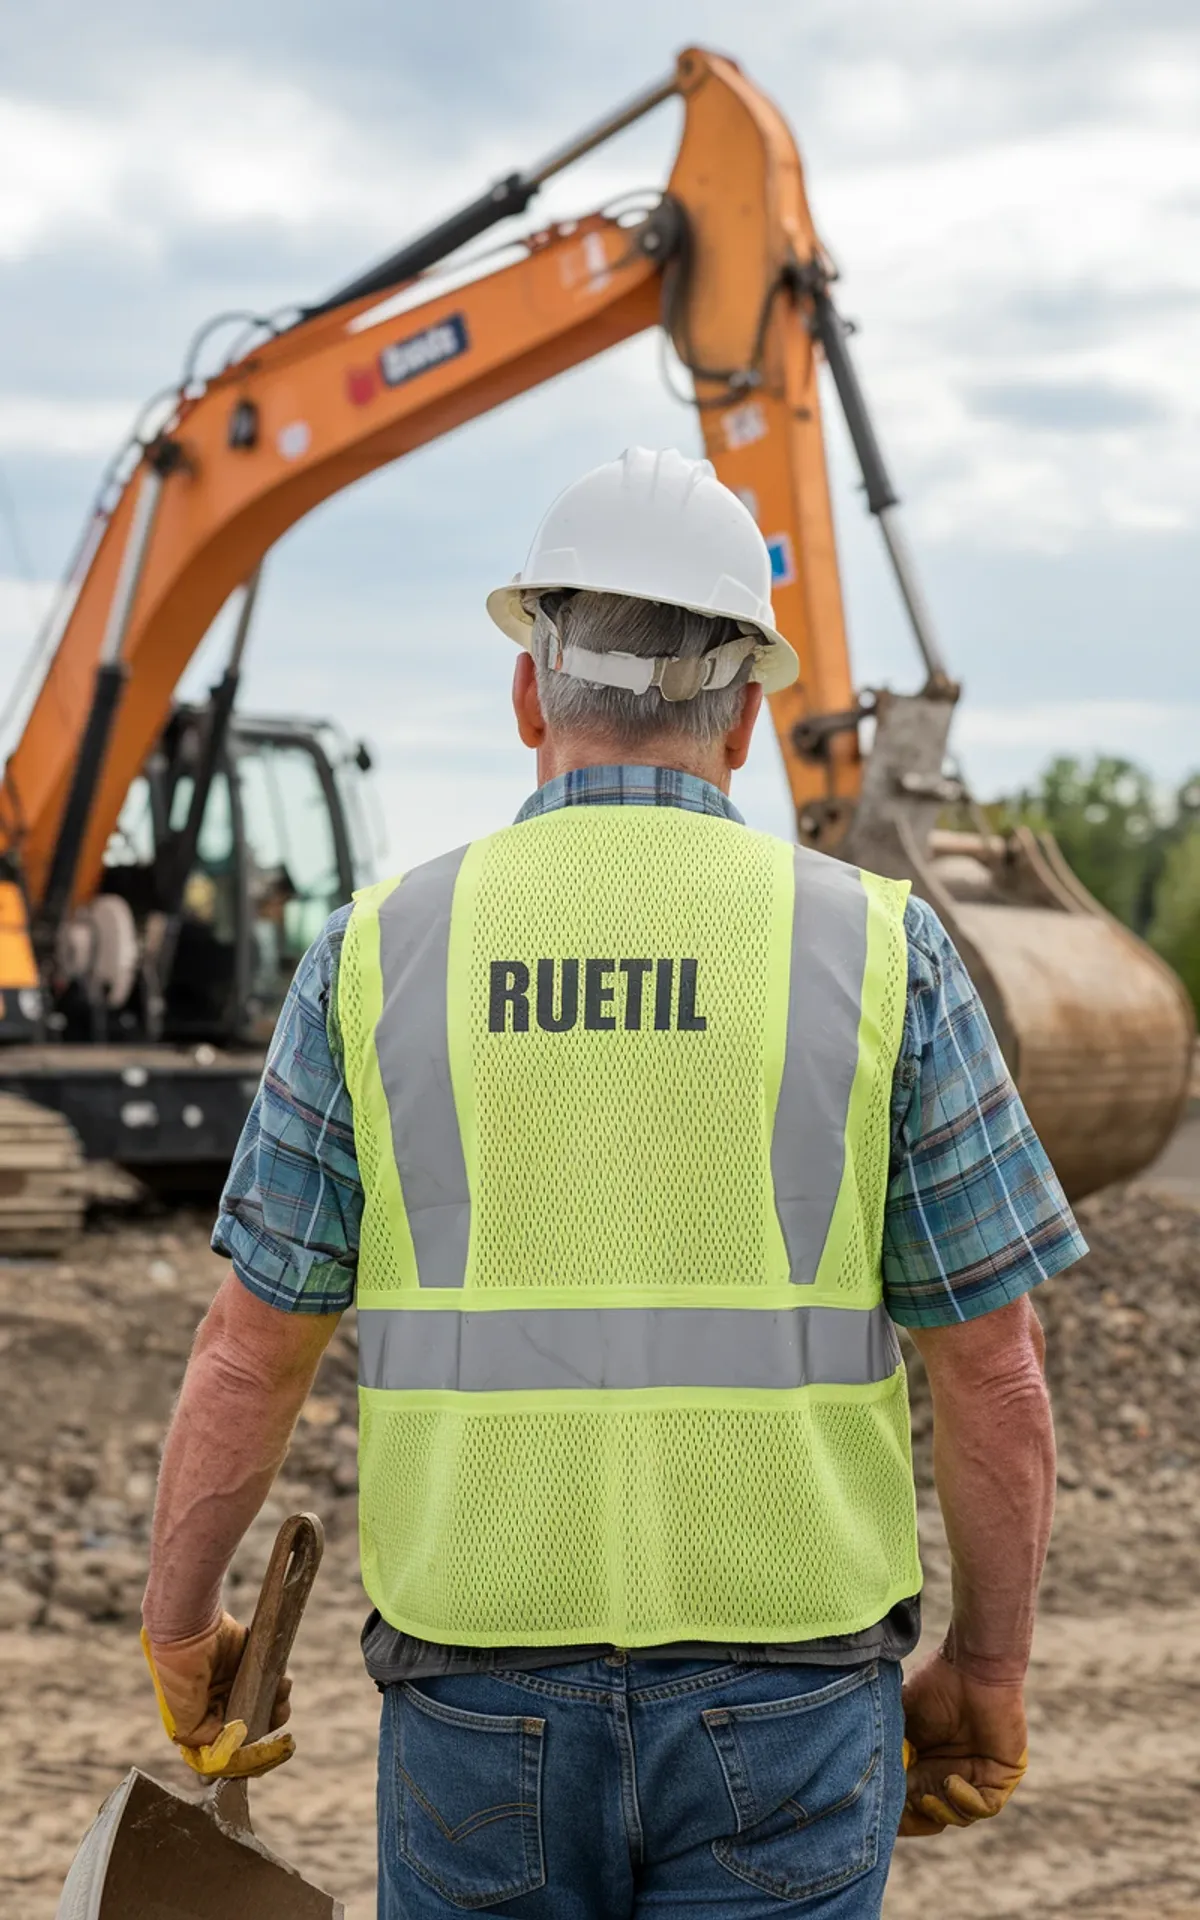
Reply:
x=601, y=996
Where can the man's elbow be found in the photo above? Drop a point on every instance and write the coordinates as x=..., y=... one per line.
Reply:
x=253, y=1346
x=1015, y=1377
x=998, y=1359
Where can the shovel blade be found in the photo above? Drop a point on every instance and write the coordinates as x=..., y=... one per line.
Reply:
x=151, y=1855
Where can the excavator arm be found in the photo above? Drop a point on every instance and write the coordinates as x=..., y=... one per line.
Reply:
x=729, y=264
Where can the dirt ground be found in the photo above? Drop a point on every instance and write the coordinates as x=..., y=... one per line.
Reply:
x=1107, y=1824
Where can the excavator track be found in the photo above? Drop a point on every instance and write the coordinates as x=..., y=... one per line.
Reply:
x=42, y=1192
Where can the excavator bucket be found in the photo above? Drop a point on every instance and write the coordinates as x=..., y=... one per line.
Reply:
x=1097, y=1031
x=1096, y=1028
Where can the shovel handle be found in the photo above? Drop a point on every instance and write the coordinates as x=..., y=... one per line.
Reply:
x=286, y=1586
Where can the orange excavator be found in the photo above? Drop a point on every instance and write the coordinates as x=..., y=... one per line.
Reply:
x=162, y=867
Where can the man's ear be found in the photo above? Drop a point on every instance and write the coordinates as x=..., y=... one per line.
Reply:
x=737, y=740
x=528, y=708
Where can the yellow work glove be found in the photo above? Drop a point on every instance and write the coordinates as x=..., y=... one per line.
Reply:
x=965, y=1753
x=229, y=1755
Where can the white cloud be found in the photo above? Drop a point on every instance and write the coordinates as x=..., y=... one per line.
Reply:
x=219, y=148
x=1003, y=746
x=223, y=148
x=36, y=424
x=1101, y=221
x=57, y=169
x=1165, y=80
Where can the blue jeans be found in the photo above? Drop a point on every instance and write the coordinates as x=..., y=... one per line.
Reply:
x=623, y=1787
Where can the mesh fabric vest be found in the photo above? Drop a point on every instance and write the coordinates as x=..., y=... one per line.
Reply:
x=621, y=1081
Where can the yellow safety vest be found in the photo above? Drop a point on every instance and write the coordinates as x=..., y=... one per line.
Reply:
x=621, y=1081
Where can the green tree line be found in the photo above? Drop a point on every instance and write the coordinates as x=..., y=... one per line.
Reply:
x=1140, y=858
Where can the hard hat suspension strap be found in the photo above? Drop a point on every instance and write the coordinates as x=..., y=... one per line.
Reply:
x=677, y=676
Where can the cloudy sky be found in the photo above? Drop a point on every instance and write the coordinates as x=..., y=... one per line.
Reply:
x=1011, y=189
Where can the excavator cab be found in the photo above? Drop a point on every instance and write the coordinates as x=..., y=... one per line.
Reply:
x=283, y=840
x=147, y=1045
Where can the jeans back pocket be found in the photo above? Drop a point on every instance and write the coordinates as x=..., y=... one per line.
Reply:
x=805, y=1778
x=467, y=1799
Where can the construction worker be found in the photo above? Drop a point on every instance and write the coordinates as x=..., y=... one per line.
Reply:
x=631, y=1133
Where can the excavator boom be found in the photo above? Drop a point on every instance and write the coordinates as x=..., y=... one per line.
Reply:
x=728, y=262
x=296, y=421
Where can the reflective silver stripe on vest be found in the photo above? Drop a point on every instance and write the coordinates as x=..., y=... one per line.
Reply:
x=413, y=1047
x=829, y=957
x=540, y=1349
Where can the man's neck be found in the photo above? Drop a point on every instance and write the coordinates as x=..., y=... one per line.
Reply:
x=573, y=754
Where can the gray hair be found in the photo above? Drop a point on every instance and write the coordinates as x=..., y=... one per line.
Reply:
x=615, y=623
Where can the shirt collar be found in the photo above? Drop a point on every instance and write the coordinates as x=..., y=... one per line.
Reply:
x=631, y=786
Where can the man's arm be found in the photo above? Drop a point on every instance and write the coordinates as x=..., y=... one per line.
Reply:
x=993, y=1450
x=975, y=1220
x=289, y=1221
x=248, y=1377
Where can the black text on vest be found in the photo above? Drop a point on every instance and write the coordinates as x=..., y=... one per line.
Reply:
x=599, y=995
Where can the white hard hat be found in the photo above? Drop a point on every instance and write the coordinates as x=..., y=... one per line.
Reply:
x=654, y=526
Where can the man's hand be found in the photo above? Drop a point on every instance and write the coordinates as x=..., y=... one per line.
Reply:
x=969, y=1747
x=192, y=1680
x=993, y=1461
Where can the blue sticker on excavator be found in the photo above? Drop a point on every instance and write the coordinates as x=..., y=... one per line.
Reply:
x=783, y=567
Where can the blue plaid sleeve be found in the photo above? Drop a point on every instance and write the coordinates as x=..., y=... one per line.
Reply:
x=292, y=1206
x=975, y=1215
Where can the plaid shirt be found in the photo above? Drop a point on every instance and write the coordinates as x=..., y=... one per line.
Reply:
x=975, y=1216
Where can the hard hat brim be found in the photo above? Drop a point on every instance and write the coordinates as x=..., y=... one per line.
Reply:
x=775, y=669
